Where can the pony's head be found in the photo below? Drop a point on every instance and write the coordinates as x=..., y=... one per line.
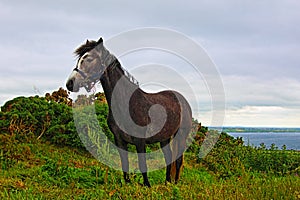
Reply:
x=90, y=66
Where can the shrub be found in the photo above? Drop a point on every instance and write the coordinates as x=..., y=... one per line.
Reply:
x=230, y=157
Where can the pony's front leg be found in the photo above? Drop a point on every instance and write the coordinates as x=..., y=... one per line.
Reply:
x=123, y=152
x=125, y=164
x=141, y=150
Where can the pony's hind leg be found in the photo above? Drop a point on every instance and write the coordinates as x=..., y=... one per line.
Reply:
x=179, y=165
x=165, y=146
x=180, y=146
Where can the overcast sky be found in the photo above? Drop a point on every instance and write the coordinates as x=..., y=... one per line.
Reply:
x=255, y=46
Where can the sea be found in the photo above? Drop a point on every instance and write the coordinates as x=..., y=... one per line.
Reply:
x=290, y=139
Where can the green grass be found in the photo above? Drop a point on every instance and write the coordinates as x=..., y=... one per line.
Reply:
x=45, y=171
x=53, y=167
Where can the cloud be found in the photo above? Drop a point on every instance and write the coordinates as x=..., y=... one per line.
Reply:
x=248, y=90
x=271, y=116
x=258, y=60
x=252, y=101
x=254, y=44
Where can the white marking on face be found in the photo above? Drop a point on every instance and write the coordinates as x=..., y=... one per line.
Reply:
x=81, y=59
x=72, y=75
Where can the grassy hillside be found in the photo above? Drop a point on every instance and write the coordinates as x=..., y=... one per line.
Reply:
x=41, y=157
x=45, y=171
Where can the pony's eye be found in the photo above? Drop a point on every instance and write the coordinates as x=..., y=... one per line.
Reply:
x=88, y=59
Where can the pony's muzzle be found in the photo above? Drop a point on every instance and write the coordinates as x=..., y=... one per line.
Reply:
x=70, y=85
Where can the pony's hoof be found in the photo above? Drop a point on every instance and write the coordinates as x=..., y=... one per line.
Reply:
x=167, y=183
x=127, y=181
x=147, y=184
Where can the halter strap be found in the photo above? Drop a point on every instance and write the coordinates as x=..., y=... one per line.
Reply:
x=80, y=72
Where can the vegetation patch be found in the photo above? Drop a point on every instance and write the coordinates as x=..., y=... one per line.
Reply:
x=42, y=157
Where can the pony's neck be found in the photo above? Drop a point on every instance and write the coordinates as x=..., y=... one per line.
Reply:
x=105, y=56
x=110, y=78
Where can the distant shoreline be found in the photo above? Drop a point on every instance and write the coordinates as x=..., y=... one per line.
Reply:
x=255, y=129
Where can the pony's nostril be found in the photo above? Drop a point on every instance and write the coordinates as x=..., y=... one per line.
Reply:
x=70, y=85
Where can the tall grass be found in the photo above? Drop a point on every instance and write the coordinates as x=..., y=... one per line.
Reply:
x=39, y=170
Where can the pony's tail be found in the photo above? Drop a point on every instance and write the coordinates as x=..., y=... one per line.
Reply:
x=175, y=151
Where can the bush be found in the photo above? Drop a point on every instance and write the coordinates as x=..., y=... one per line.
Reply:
x=230, y=157
x=48, y=119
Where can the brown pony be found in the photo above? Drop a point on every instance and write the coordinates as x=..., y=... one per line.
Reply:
x=135, y=117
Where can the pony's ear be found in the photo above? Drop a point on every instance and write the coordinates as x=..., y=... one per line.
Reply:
x=100, y=40
x=87, y=42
